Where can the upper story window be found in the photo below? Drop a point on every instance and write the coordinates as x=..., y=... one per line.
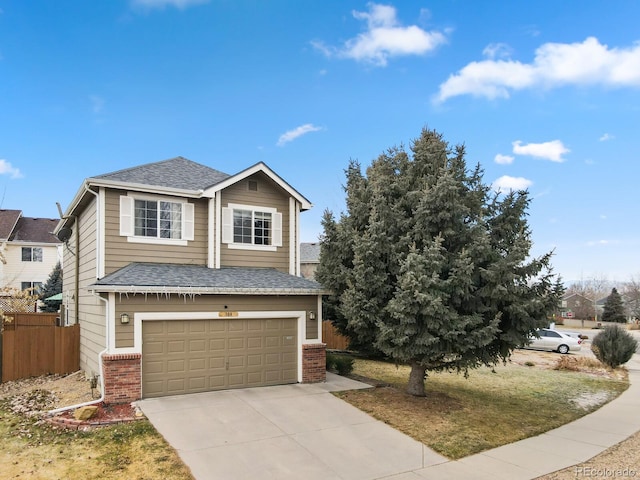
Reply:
x=147, y=219
x=31, y=254
x=34, y=287
x=158, y=219
x=251, y=227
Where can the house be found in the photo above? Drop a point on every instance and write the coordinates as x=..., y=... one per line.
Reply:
x=309, y=259
x=185, y=279
x=575, y=305
x=28, y=250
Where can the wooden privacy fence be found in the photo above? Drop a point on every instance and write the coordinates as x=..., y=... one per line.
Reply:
x=33, y=345
x=332, y=338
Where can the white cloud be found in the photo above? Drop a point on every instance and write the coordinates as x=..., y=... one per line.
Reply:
x=384, y=38
x=606, y=137
x=601, y=243
x=554, y=65
x=181, y=4
x=97, y=103
x=497, y=50
x=503, y=159
x=7, y=169
x=297, y=132
x=548, y=150
x=506, y=183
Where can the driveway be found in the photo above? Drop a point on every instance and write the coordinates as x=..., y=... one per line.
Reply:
x=284, y=432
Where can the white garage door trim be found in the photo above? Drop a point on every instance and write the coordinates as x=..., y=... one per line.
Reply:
x=138, y=318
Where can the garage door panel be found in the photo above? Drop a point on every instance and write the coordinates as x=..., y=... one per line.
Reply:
x=272, y=359
x=237, y=325
x=237, y=380
x=197, y=383
x=237, y=343
x=217, y=344
x=155, y=347
x=175, y=346
x=197, y=346
x=196, y=364
x=217, y=382
x=154, y=367
x=255, y=325
x=289, y=357
x=176, y=327
x=255, y=360
x=175, y=366
x=188, y=356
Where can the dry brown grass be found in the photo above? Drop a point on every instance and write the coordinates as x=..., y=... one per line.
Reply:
x=459, y=416
x=33, y=449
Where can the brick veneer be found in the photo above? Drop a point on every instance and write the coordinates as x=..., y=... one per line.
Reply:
x=314, y=363
x=122, y=377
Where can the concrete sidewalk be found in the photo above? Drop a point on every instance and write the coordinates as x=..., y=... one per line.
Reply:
x=302, y=431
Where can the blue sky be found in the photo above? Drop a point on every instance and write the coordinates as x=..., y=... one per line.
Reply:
x=545, y=95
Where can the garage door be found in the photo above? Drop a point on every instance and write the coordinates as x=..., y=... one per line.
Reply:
x=190, y=356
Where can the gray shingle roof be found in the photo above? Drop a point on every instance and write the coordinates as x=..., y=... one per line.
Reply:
x=178, y=172
x=309, y=253
x=8, y=220
x=199, y=279
x=37, y=230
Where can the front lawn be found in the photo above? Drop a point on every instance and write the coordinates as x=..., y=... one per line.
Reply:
x=35, y=450
x=459, y=416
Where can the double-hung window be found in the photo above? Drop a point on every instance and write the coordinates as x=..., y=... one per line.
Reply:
x=152, y=219
x=250, y=227
x=31, y=254
x=34, y=287
x=158, y=219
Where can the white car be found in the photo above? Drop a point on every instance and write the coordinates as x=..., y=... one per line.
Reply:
x=554, y=341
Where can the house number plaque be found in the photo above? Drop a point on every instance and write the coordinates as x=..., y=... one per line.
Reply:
x=227, y=314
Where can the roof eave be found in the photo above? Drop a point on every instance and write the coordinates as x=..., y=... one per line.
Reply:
x=156, y=290
x=139, y=187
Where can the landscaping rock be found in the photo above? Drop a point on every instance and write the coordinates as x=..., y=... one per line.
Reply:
x=85, y=413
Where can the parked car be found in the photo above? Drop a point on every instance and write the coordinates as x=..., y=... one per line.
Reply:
x=554, y=341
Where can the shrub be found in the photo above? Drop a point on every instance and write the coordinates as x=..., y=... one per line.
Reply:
x=614, y=346
x=343, y=364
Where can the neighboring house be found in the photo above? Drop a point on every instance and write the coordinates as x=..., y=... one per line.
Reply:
x=575, y=305
x=28, y=250
x=185, y=279
x=309, y=259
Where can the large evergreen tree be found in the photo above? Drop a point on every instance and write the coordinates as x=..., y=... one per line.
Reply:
x=428, y=267
x=614, y=308
x=52, y=287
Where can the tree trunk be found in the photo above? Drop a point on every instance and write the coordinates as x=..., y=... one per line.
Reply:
x=416, y=380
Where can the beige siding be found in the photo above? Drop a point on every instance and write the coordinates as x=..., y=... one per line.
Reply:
x=119, y=252
x=213, y=303
x=15, y=271
x=269, y=194
x=91, y=311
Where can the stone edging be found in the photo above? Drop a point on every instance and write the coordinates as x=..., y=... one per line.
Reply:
x=73, y=424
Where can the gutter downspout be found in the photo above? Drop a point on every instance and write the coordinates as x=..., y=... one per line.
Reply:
x=77, y=301
x=100, y=367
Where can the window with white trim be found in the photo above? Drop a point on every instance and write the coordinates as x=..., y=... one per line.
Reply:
x=31, y=254
x=152, y=219
x=250, y=227
x=34, y=287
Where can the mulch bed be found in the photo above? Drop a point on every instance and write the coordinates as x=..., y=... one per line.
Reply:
x=105, y=415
